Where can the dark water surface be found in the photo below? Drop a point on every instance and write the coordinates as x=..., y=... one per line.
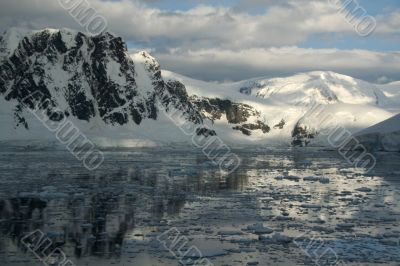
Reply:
x=281, y=207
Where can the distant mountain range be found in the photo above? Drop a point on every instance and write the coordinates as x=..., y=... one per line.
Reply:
x=122, y=99
x=284, y=106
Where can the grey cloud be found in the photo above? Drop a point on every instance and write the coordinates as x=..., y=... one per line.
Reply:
x=284, y=24
x=224, y=33
x=233, y=65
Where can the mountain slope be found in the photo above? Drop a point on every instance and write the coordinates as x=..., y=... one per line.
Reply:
x=382, y=136
x=92, y=80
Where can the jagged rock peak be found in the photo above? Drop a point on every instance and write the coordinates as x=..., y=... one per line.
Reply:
x=88, y=77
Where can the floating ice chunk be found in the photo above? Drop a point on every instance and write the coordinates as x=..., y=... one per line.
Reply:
x=259, y=229
x=364, y=189
x=277, y=238
x=229, y=233
x=345, y=226
x=311, y=206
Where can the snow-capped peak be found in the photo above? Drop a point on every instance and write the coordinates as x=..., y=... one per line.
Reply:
x=147, y=60
x=11, y=38
x=323, y=87
x=92, y=79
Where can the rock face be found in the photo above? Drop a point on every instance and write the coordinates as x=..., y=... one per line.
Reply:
x=86, y=77
x=238, y=114
x=214, y=109
x=302, y=135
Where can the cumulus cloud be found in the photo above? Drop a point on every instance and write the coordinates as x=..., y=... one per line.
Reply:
x=281, y=24
x=217, y=64
x=225, y=36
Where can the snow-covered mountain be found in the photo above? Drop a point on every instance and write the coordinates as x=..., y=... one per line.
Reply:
x=109, y=94
x=117, y=99
x=291, y=108
x=384, y=136
x=316, y=87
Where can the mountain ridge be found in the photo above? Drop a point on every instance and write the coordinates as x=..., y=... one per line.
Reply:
x=281, y=109
x=111, y=94
x=89, y=78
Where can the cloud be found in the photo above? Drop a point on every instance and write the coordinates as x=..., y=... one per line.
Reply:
x=286, y=23
x=217, y=64
x=205, y=35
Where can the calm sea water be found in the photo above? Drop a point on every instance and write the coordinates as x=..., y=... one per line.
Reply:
x=281, y=207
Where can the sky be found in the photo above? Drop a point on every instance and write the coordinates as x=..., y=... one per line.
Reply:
x=230, y=40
